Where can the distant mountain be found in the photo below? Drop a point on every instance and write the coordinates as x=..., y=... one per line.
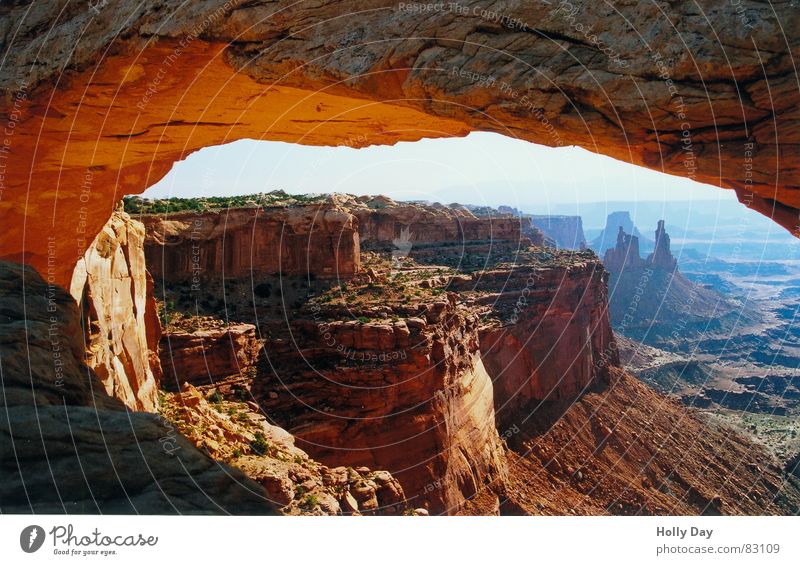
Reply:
x=651, y=301
x=607, y=238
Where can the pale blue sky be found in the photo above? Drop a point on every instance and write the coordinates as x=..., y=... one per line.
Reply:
x=482, y=168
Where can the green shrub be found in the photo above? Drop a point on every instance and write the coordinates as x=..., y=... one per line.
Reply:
x=260, y=445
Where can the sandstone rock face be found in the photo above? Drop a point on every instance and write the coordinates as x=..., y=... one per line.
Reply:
x=201, y=357
x=114, y=291
x=315, y=240
x=383, y=221
x=625, y=254
x=149, y=83
x=69, y=447
x=662, y=258
x=565, y=231
x=232, y=431
x=552, y=336
x=411, y=396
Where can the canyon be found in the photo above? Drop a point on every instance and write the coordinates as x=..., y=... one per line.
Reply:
x=346, y=356
x=654, y=303
x=717, y=335
x=456, y=378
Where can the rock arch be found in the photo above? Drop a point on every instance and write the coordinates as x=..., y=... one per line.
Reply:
x=100, y=99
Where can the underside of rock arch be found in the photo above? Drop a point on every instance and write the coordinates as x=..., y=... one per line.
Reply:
x=100, y=100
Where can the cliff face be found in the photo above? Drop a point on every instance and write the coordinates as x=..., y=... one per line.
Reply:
x=114, y=291
x=385, y=221
x=550, y=337
x=565, y=231
x=202, y=356
x=68, y=447
x=411, y=396
x=226, y=73
x=314, y=240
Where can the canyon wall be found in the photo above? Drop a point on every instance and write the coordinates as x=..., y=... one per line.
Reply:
x=565, y=231
x=385, y=221
x=114, y=291
x=411, y=396
x=550, y=336
x=315, y=240
x=68, y=447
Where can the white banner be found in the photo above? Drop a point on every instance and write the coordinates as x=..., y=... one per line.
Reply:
x=188, y=539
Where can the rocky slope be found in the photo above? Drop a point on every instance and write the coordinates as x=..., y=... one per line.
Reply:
x=651, y=301
x=151, y=82
x=238, y=433
x=115, y=293
x=624, y=449
x=69, y=447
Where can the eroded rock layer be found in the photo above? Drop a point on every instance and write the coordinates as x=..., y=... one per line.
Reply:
x=202, y=355
x=115, y=293
x=238, y=433
x=102, y=102
x=549, y=335
x=69, y=447
x=315, y=240
x=411, y=396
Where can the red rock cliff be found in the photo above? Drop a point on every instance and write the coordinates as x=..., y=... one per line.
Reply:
x=317, y=240
x=551, y=335
x=114, y=290
x=411, y=396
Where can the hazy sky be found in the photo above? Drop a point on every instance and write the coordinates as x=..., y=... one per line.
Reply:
x=481, y=168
